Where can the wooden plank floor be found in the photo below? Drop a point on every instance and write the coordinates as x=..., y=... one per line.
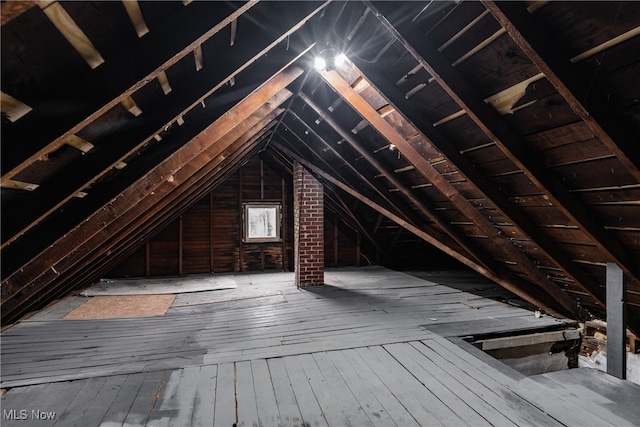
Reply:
x=368, y=349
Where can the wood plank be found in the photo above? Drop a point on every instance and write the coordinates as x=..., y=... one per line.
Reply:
x=403, y=386
x=73, y=414
x=12, y=108
x=146, y=398
x=286, y=400
x=119, y=408
x=225, y=404
x=246, y=395
x=305, y=396
x=265, y=400
x=70, y=30
x=135, y=15
x=204, y=402
x=448, y=400
x=327, y=399
x=368, y=401
x=96, y=411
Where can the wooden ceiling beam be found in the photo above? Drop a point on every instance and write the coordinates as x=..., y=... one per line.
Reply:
x=143, y=229
x=427, y=211
x=191, y=97
x=489, y=191
x=514, y=147
x=135, y=15
x=507, y=280
x=537, y=45
x=449, y=191
x=153, y=186
x=122, y=96
x=341, y=159
x=70, y=30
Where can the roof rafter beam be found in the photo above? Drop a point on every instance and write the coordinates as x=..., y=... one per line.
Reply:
x=449, y=191
x=59, y=141
x=200, y=93
x=490, y=122
x=507, y=280
x=414, y=115
x=337, y=155
x=519, y=24
x=61, y=256
x=443, y=223
x=144, y=228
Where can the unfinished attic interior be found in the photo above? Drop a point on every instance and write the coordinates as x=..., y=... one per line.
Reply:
x=320, y=213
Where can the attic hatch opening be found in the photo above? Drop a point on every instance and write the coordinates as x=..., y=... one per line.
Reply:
x=533, y=351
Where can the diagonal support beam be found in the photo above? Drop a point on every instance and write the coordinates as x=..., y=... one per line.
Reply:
x=490, y=122
x=505, y=279
x=445, y=225
x=54, y=261
x=59, y=141
x=449, y=191
x=489, y=191
x=519, y=24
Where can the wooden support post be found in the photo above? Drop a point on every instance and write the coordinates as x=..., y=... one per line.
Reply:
x=335, y=239
x=211, y=221
x=180, y=247
x=616, y=323
x=283, y=200
x=241, y=216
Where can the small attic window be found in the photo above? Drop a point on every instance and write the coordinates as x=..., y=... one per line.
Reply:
x=262, y=222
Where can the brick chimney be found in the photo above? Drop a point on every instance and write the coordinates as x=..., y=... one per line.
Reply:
x=308, y=214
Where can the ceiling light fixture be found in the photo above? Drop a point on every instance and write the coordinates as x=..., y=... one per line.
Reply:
x=328, y=59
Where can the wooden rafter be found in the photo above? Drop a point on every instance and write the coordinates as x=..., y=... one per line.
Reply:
x=562, y=75
x=184, y=196
x=449, y=191
x=11, y=108
x=344, y=161
x=135, y=15
x=154, y=185
x=417, y=117
x=70, y=30
x=59, y=141
x=428, y=212
x=194, y=104
x=505, y=279
x=490, y=122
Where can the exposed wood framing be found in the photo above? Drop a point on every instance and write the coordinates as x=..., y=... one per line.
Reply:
x=506, y=280
x=19, y=185
x=79, y=143
x=70, y=30
x=58, y=142
x=482, y=184
x=13, y=9
x=544, y=54
x=164, y=82
x=462, y=204
x=11, y=108
x=156, y=132
x=197, y=57
x=64, y=254
x=135, y=14
x=377, y=165
x=489, y=121
x=131, y=106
